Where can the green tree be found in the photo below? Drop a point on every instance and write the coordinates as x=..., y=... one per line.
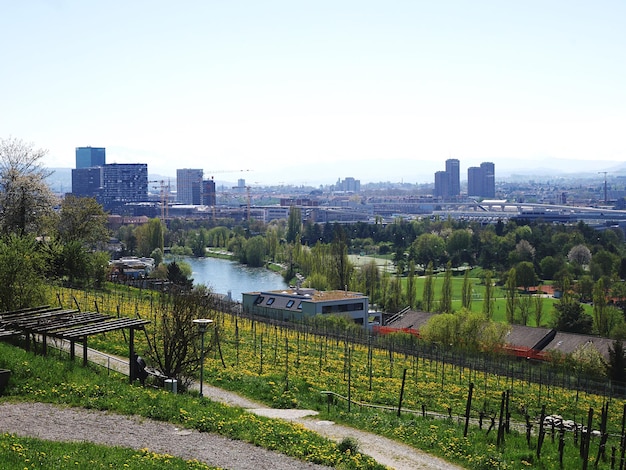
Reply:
x=372, y=279
x=459, y=245
x=488, y=300
x=99, y=267
x=197, y=241
x=410, y=285
x=584, y=288
x=603, y=263
x=177, y=276
x=550, y=266
x=616, y=367
x=511, y=295
x=394, y=300
x=82, y=219
x=571, y=316
x=428, y=295
x=21, y=262
x=75, y=263
x=445, y=305
x=149, y=236
x=524, y=303
x=25, y=199
x=255, y=251
x=294, y=224
x=538, y=301
x=428, y=247
x=525, y=275
x=466, y=292
x=600, y=314
x=341, y=268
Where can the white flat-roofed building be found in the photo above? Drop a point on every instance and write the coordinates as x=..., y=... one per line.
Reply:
x=299, y=303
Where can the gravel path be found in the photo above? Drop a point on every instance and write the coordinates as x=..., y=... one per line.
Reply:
x=76, y=424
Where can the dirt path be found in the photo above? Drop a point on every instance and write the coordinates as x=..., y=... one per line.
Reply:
x=55, y=423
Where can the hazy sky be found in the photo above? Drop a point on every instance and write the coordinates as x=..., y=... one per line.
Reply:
x=302, y=91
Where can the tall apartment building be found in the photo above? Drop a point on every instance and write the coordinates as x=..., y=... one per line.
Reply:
x=481, y=180
x=87, y=157
x=349, y=185
x=87, y=182
x=208, y=196
x=189, y=186
x=441, y=185
x=448, y=182
x=123, y=183
x=453, y=169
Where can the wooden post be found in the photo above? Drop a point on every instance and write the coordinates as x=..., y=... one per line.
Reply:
x=349, y=380
x=468, y=407
x=586, y=439
x=542, y=431
x=131, y=359
x=500, y=438
x=623, y=440
x=85, y=351
x=401, y=391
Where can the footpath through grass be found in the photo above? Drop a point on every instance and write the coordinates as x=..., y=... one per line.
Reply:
x=55, y=380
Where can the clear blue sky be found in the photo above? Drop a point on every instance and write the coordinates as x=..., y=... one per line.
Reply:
x=311, y=91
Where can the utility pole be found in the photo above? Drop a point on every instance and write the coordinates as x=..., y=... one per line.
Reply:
x=605, y=198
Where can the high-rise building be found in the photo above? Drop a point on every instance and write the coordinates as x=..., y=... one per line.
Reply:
x=208, y=193
x=481, y=180
x=441, y=185
x=348, y=185
x=188, y=186
x=454, y=177
x=448, y=183
x=87, y=157
x=474, y=181
x=87, y=182
x=489, y=181
x=123, y=183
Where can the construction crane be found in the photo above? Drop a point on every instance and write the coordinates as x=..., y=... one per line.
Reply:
x=164, y=197
x=605, y=198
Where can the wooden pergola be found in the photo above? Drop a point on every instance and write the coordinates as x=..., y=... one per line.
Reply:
x=70, y=325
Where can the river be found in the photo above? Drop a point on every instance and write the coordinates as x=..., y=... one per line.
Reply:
x=224, y=276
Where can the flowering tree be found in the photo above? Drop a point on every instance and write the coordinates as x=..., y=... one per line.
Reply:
x=25, y=198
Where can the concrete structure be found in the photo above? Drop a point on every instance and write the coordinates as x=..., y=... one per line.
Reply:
x=90, y=156
x=300, y=303
x=188, y=186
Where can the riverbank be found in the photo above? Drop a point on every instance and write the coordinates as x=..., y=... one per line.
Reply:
x=223, y=274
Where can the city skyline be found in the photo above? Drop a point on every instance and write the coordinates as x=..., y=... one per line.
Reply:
x=297, y=93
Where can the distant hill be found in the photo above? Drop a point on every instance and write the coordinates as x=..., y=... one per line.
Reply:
x=60, y=181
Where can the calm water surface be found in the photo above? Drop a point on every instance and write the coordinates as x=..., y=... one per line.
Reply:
x=223, y=276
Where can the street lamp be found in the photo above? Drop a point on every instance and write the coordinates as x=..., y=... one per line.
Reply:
x=203, y=324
